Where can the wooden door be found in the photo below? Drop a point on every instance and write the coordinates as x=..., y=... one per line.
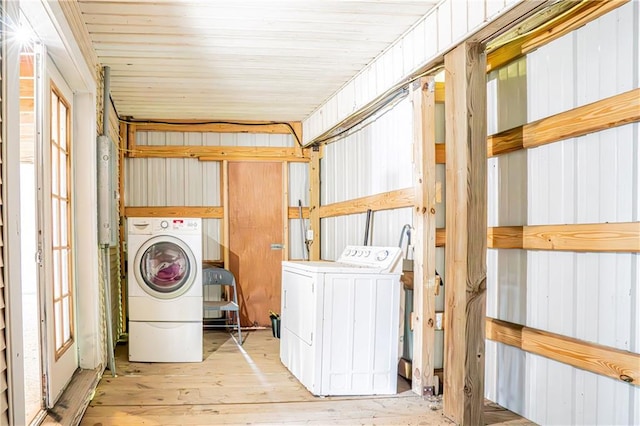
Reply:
x=255, y=225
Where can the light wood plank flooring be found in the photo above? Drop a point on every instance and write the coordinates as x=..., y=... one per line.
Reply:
x=245, y=385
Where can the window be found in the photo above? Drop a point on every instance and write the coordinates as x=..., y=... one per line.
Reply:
x=61, y=222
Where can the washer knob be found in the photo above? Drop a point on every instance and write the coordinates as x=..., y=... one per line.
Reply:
x=164, y=224
x=382, y=255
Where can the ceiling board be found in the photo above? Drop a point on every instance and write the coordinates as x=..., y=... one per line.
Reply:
x=241, y=60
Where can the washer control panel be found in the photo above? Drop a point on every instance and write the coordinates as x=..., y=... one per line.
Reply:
x=384, y=258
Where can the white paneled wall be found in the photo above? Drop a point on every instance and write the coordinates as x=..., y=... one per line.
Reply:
x=509, y=82
x=159, y=182
x=558, y=394
x=590, y=179
x=376, y=159
x=443, y=27
x=298, y=191
x=373, y=160
x=594, y=62
x=213, y=139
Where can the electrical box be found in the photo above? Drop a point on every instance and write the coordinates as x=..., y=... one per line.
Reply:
x=107, y=192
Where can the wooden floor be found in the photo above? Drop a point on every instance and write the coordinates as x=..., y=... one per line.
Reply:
x=245, y=385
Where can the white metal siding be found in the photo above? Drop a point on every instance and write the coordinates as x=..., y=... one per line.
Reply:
x=590, y=179
x=378, y=158
x=158, y=182
x=508, y=82
x=298, y=191
x=373, y=160
x=440, y=29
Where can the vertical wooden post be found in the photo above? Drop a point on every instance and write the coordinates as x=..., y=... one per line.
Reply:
x=122, y=145
x=131, y=136
x=225, y=210
x=296, y=126
x=285, y=210
x=466, y=240
x=424, y=232
x=314, y=203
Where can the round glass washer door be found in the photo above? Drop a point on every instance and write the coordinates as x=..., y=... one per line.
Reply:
x=165, y=267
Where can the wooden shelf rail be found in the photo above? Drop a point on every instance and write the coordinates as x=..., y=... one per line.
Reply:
x=599, y=359
x=584, y=13
x=202, y=212
x=384, y=201
x=591, y=237
x=600, y=115
x=220, y=153
x=175, y=211
x=294, y=213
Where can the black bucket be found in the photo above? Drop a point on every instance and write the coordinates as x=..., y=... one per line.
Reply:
x=275, y=326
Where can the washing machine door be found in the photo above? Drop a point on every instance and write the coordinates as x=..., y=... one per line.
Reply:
x=165, y=267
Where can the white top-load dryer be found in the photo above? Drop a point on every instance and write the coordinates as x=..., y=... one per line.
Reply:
x=164, y=275
x=340, y=320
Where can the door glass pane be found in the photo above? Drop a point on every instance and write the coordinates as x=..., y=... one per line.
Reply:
x=63, y=224
x=55, y=209
x=64, y=266
x=63, y=174
x=54, y=117
x=63, y=126
x=57, y=285
x=165, y=267
x=55, y=170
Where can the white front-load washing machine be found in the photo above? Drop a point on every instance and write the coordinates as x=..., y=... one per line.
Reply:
x=164, y=275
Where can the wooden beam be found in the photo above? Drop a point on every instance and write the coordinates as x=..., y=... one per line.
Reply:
x=424, y=224
x=122, y=144
x=504, y=332
x=598, y=359
x=296, y=130
x=441, y=153
x=439, y=92
x=441, y=237
x=293, y=212
x=600, y=115
x=220, y=127
x=285, y=210
x=226, y=254
x=599, y=237
x=175, y=211
x=219, y=153
x=504, y=142
x=589, y=237
x=585, y=12
x=385, y=201
x=131, y=137
x=314, y=203
x=597, y=116
x=505, y=237
x=466, y=241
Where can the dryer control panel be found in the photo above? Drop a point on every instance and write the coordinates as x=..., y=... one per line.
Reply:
x=387, y=259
